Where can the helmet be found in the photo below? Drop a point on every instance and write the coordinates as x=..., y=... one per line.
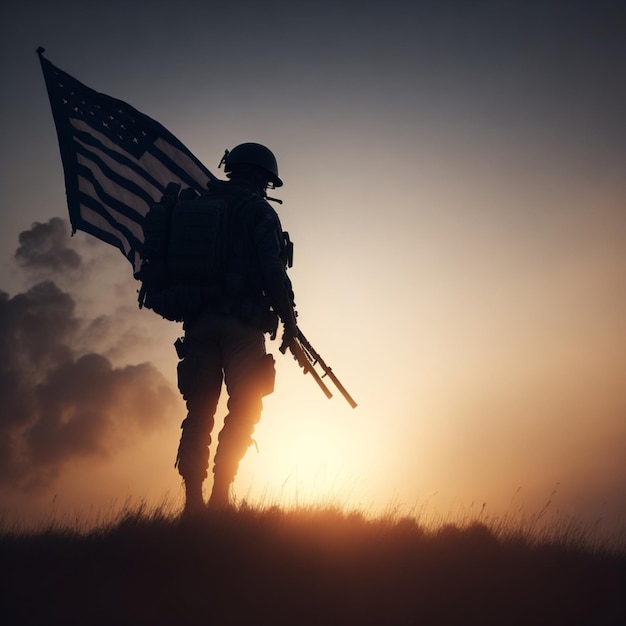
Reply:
x=253, y=154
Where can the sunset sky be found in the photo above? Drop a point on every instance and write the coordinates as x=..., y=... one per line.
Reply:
x=455, y=188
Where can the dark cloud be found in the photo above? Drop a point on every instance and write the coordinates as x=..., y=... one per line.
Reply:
x=61, y=400
x=45, y=247
x=36, y=328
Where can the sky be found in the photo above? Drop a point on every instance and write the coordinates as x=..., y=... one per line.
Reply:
x=454, y=185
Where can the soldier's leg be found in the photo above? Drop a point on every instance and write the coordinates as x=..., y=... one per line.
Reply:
x=244, y=412
x=200, y=382
x=244, y=360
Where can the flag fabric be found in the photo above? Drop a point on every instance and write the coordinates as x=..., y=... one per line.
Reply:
x=116, y=160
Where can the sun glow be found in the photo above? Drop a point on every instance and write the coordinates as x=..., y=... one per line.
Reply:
x=306, y=445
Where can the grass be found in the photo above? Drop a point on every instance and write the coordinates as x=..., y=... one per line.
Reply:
x=309, y=565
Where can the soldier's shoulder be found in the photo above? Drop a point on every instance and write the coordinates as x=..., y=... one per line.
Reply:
x=262, y=207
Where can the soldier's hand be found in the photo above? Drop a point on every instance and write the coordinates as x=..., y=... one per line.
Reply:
x=290, y=332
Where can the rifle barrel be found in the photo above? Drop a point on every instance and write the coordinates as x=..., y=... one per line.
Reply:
x=342, y=390
x=320, y=382
x=307, y=366
x=308, y=348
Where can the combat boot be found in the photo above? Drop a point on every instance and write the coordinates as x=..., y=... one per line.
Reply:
x=220, y=495
x=194, y=500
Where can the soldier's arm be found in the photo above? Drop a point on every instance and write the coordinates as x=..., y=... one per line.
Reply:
x=270, y=250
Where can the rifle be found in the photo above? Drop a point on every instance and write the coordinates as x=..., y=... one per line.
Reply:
x=306, y=356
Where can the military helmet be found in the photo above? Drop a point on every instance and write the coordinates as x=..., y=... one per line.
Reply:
x=253, y=154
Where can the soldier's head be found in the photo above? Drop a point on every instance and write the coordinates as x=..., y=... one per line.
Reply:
x=252, y=162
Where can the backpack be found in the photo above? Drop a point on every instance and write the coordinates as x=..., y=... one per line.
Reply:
x=185, y=243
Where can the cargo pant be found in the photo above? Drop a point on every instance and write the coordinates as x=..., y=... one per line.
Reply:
x=218, y=349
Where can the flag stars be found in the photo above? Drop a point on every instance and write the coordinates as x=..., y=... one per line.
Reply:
x=119, y=123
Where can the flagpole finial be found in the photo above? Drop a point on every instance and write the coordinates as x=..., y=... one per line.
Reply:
x=40, y=50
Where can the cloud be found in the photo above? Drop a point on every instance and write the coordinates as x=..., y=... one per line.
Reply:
x=62, y=399
x=45, y=247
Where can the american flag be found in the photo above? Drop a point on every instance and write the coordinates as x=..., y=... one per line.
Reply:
x=116, y=160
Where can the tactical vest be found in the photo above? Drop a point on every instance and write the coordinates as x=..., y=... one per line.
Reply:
x=197, y=258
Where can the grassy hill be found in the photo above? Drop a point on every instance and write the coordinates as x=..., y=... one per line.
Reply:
x=302, y=567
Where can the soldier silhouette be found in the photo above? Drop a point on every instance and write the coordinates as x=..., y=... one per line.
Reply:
x=233, y=307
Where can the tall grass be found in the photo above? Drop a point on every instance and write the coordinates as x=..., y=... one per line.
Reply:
x=309, y=564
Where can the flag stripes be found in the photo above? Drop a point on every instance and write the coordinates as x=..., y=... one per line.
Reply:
x=116, y=160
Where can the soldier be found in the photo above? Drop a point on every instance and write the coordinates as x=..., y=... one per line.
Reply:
x=224, y=340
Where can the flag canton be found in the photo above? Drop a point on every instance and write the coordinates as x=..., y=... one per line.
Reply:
x=119, y=122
